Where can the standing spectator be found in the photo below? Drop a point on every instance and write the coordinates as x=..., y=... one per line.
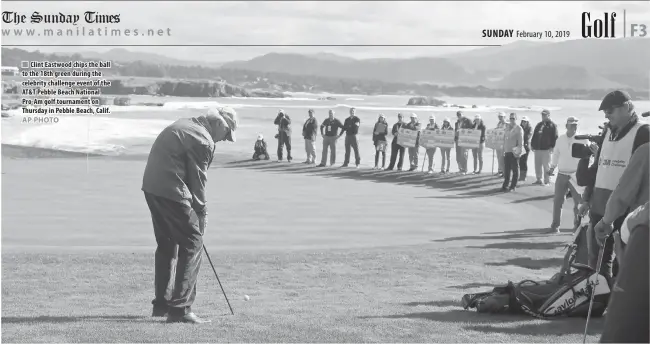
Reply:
x=621, y=138
x=462, y=122
x=329, y=131
x=501, y=124
x=396, y=148
x=445, y=152
x=351, y=129
x=284, y=134
x=431, y=152
x=543, y=142
x=513, y=147
x=567, y=166
x=477, y=153
x=379, y=139
x=414, y=151
x=523, y=161
x=309, y=132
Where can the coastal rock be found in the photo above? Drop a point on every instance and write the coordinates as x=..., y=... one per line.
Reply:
x=426, y=101
x=122, y=101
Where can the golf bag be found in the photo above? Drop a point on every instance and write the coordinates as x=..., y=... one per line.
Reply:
x=567, y=293
x=259, y=150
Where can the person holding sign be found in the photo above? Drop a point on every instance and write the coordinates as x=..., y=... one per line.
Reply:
x=331, y=127
x=414, y=151
x=523, y=161
x=445, y=152
x=513, y=148
x=351, y=129
x=501, y=124
x=395, y=148
x=461, y=152
x=477, y=153
x=379, y=139
x=431, y=152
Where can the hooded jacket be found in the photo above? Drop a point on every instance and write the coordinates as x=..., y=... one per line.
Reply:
x=177, y=166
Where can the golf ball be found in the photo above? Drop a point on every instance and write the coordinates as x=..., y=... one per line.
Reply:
x=246, y=297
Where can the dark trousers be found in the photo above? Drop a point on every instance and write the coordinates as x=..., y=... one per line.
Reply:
x=284, y=139
x=510, y=165
x=523, y=165
x=394, y=149
x=351, y=142
x=176, y=227
x=627, y=313
x=609, y=265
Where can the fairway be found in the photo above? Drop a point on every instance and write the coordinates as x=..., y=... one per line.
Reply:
x=326, y=255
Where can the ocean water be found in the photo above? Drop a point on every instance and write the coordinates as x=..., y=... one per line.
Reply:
x=130, y=130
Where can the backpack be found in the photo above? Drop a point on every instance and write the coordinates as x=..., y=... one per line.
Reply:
x=567, y=293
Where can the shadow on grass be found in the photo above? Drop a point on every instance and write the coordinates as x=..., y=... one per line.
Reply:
x=441, y=303
x=520, y=234
x=456, y=315
x=453, y=182
x=473, y=285
x=523, y=245
x=46, y=319
x=528, y=263
x=555, y=327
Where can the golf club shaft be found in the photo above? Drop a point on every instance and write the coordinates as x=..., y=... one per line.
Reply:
x=217, y=276
x=593, y=292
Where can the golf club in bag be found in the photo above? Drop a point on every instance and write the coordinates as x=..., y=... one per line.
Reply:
x=593, y=293
x=217, y=276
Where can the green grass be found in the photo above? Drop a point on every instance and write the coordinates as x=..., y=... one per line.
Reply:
x=77, y=261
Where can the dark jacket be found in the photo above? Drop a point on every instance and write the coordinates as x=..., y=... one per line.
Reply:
x=381, y=136
x=177, y=166
x=463, y=123
x=544, y=136
x=396, y=128
x=260, y=147
x=351, y=125
x=333, y=125
x=415, y=127
x=527, y=131
x=446, y=127
x=586, y=175
x=283, y=122
x=310, y=129
x=480, y=126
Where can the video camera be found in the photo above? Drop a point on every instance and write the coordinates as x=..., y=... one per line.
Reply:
x=582, y=151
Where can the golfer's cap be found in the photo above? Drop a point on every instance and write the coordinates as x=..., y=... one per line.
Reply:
x=459, y=113
x=478, y=116
x=229, y=116
x=381, y=115
x=260, y=137
x=572, y=120
x=399, y=114
x=432, y=117
x=413, y=115
x=310, y=110
x=502, y=114
x=614, y=99
x=525, y=118
x=546, y=112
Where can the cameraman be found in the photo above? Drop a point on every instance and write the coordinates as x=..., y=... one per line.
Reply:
x=284, y=134
x=620, y=138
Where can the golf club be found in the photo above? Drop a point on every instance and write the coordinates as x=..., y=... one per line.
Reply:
x=217, y=276
x=593, y=292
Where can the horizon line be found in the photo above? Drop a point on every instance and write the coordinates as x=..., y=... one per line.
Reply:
x=252, y=45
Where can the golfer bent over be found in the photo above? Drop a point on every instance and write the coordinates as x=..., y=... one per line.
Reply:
x=174, y=188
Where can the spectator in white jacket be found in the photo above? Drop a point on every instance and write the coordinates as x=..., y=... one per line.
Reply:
x=567, y=166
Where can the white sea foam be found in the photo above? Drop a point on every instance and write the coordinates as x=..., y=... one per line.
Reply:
x=87, y=134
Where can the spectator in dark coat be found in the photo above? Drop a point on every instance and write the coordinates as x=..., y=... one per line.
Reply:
x=543, y=142
x=477, y=153
x=283, y=121
x=309, y=133
x=395, y=148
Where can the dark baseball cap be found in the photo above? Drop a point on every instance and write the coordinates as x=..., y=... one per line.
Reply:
x=614, y=99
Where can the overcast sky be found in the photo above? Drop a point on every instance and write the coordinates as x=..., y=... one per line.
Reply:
x=313, y=22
